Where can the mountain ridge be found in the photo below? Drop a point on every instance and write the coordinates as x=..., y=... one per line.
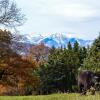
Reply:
x=57, y=40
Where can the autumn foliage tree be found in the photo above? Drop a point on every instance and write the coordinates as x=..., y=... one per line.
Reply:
x=39, y=52
x=15, y=72
x=5, y=42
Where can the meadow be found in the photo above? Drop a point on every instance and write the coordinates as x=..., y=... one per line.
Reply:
x=72, y=96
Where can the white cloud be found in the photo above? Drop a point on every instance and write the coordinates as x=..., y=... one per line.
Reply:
x=74, y=12
x=47, y=16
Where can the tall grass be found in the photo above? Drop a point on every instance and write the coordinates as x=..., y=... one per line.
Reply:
x=65, y=96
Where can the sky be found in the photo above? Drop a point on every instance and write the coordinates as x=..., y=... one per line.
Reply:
x=80, y=18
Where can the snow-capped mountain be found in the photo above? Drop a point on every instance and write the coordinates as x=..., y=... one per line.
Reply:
x=57, y=40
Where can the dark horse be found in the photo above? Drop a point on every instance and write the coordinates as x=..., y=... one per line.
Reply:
x=86, y=80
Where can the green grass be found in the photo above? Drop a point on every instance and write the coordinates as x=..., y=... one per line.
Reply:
x=53, y=97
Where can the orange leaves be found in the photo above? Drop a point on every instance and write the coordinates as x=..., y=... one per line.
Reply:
x=39, y=52
x=3, y=65
x=16, y=72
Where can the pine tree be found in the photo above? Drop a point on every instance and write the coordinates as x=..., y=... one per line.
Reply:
x=82, y=54
x=76, y=47
x=69, y=46
x=59, y=72
x=92, y=61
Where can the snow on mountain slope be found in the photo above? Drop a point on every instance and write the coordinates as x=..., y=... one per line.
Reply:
x=57, y=40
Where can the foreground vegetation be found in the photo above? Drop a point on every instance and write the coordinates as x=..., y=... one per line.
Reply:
x=53, y=97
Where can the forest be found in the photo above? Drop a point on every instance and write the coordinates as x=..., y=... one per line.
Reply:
x=43, y=70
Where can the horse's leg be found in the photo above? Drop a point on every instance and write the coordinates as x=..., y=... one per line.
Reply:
x=79, y=87
x=85, y=88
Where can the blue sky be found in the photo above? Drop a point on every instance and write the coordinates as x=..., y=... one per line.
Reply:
x=80, y=18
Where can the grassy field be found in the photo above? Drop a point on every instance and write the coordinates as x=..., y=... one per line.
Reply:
x=53, y=97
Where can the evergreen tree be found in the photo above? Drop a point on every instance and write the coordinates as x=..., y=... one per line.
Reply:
x=82, y=54
x=76, y=47
x=92, y=61
x=59, y=72
x=69, y=46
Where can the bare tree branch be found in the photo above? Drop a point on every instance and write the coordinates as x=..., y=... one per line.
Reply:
x=10, y=15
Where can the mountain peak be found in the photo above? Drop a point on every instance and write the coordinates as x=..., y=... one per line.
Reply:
x=57, y=40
